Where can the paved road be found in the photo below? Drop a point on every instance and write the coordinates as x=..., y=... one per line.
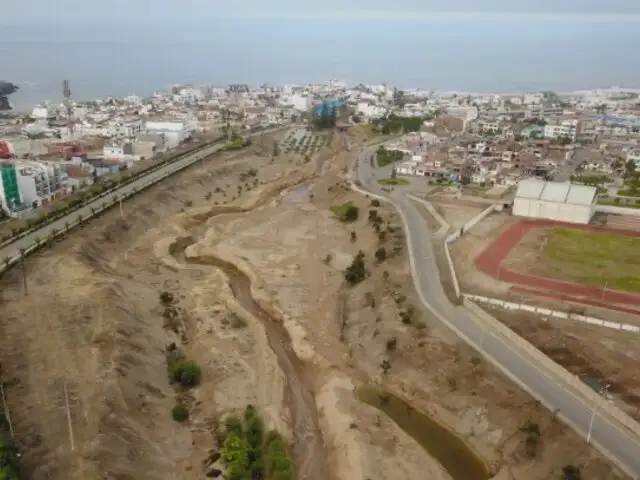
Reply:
x=568, y=168
x=13, y=249
x=615, y=441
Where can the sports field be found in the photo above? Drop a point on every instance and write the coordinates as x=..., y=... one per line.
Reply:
x=581, y=263
x=592, y=258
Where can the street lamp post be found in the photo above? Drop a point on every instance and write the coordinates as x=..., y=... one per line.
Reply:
x=482, y=335
x=596, y=403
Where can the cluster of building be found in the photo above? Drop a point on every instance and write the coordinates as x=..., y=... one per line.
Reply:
x=56, y=149
x=497, y=140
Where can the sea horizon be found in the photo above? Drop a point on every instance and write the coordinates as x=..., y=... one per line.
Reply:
x=494, y=55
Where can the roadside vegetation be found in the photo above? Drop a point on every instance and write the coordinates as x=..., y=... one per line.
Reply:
x=85, y=195
x=393, y=181
x=386, y=157
x=237, y=143
x=394, y=124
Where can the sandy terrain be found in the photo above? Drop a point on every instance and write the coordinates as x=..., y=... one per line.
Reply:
x=256, y=274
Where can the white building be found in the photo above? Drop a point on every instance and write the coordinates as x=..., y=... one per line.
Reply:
x=173, y=132
x=634, y=156
x=558, y=201
x=40, y=183
x=566, y=128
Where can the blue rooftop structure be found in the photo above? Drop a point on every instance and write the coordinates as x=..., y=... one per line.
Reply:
x=328, y=107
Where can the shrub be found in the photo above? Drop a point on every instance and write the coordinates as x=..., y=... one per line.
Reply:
x=233, y=425
x=347, y=212
x=571, y=472
x=381, y=254
x=179, y=412
x=356, y=272
x=166, y=298
x=186, y=372
x=392, y=343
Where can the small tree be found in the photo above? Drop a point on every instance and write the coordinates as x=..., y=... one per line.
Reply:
x=356, y=272
x=571, y=472
x=179, y=413
x=186, y=372
x=381, y=254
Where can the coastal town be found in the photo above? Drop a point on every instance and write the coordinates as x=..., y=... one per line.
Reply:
x=489, y=142
x=321, y=281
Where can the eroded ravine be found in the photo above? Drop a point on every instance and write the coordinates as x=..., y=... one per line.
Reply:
x=308, y=447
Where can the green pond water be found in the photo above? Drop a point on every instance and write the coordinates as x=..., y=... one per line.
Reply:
x=455, y=456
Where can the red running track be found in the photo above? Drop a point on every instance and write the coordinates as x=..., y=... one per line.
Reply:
x=490, y=263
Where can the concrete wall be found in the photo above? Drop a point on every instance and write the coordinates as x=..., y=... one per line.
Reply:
x=571, y=381
x=618, y=210
x=546, y=312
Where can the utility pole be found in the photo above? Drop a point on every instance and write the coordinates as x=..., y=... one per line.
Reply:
x=24, y=271
x=602, y=393
x=5, y=408
x=66, y=402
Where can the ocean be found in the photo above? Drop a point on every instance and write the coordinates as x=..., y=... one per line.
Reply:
x=481, y=55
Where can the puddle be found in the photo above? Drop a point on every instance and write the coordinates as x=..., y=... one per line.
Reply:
x=455, y=456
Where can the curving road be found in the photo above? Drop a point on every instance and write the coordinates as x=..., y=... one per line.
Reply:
x=13, y=249
x=613, y=439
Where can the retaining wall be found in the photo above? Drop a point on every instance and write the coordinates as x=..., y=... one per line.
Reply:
x=563, y=374
x=456, y=234
x=618, y=210
x=547, y=312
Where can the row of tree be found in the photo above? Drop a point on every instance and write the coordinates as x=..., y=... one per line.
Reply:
x=81, y=197
x=394, y=124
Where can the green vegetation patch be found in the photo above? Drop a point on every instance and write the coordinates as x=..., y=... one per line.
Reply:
x=248, y=452
x=180, y=413
x=594, y=258
x=386, y=157
x=394, y=124
x=10, y=458
x=393, y=181
x=347, y=212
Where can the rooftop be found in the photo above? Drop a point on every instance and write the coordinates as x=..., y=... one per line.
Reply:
x=556, y=192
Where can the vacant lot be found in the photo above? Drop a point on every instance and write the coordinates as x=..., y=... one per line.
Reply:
x=597, y=259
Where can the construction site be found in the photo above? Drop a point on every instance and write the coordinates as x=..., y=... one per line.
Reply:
x=246, y=264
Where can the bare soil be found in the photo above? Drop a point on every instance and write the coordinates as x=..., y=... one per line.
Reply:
x=92, y=325
x=599, y=353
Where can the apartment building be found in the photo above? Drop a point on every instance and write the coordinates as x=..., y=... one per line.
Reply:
x=634, y=156
x=562, y=129
x=40, y=183
x=10, y=197
x=173, y=132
